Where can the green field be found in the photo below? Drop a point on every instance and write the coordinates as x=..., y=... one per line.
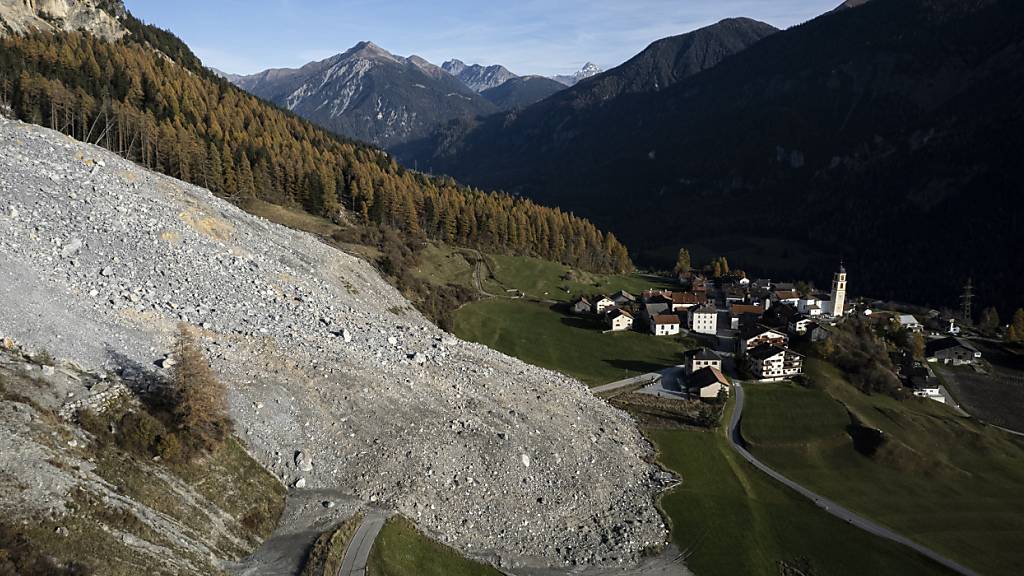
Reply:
x=544, y=280
x=946, y=481
x=731, y=519
x=400, y=550
x=546, y=337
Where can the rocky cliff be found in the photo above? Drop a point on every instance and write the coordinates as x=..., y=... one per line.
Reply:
x=97, y=17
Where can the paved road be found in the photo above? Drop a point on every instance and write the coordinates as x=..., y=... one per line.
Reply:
x=358, y=552
x=827, y=505
x=645, y=379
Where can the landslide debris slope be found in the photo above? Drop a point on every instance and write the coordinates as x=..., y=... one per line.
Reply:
x=84, y=489
x=335, y=380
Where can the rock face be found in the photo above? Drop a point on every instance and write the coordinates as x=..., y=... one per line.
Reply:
x=97, y=17
x=477, y=77
x=493, y=456
x=369, y=94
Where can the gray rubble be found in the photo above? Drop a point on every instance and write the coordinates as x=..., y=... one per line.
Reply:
x=330, y=389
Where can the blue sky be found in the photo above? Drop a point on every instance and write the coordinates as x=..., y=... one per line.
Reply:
x=527, y=36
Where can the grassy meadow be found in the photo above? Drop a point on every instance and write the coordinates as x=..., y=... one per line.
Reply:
x=401, y=550
x=946, y=481
x=729, y=518
x=546, y=336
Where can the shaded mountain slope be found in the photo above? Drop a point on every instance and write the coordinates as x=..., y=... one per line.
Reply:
x=875, y=134
x=522, y=91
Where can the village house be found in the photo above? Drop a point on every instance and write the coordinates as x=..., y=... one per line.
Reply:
x=603, y=304
x=799, y=323
x=791, y=297
x=734, y=294
x=753, y=336
x=694, y=360
x=909, y=322
x=744, y=314
x=652, y=309
x=703, y=320
x=581, y=306
x=707, y=383
x=817, y=333
x=665, y=325
x=682, y=301
x=619, y=320
x=952, y=350
x=770, y=363
x=623, y=298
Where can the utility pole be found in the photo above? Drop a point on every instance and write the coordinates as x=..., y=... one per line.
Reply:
x=965, y=300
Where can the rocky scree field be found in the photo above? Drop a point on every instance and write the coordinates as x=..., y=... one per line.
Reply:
x=335, y=381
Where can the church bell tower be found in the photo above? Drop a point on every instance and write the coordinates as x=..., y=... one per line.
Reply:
x=839, y=292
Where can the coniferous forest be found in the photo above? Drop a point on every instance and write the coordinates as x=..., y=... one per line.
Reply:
x=149, y=99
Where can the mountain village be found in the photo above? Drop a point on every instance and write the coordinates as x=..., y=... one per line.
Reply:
x=745, y=328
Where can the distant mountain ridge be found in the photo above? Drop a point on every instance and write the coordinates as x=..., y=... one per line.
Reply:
x=369, y=94
x=522, y=91
x=477, y=77
x=494, y=142
x=588, y=70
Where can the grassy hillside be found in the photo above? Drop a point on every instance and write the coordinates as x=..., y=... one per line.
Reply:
x=543, y=335
x=545, y=280
x=731, y=519
x=401, y=550
x=944, y=480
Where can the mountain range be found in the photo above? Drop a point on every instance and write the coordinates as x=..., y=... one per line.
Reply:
x=875, y=133
x=369, y=94
x=500, y=86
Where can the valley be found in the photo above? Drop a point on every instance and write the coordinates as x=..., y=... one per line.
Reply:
x=744, y=303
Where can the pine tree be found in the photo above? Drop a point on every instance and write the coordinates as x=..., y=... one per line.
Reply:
x=989, y=320
x=683, y=261
x=1016, y=331
x=200, y=400
x=246, y=183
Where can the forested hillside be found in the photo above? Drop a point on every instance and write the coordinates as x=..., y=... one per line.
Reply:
x=149, y=99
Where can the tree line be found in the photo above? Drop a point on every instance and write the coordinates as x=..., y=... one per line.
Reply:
x=134, y=97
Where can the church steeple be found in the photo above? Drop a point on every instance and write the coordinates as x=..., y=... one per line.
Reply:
x=839, y=291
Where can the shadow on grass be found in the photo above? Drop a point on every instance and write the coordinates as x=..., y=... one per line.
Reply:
x=634, y=366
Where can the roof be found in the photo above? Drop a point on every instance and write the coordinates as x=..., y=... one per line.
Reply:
x=705, y=377
x=654, y=308
x=665, y=319
x=702, y=354
x=947, y=344
x=765, y=351
x=906, y=319
x=705, y=310
x=581, y=300
x=738, y=309
x=602, y=298
x=619, y=312
x=624, y=294
x=753, y=331
x=786, y=294
x=687, y=298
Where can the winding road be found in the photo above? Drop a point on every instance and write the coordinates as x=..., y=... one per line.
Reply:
x=357, y=554
x=827, y=505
